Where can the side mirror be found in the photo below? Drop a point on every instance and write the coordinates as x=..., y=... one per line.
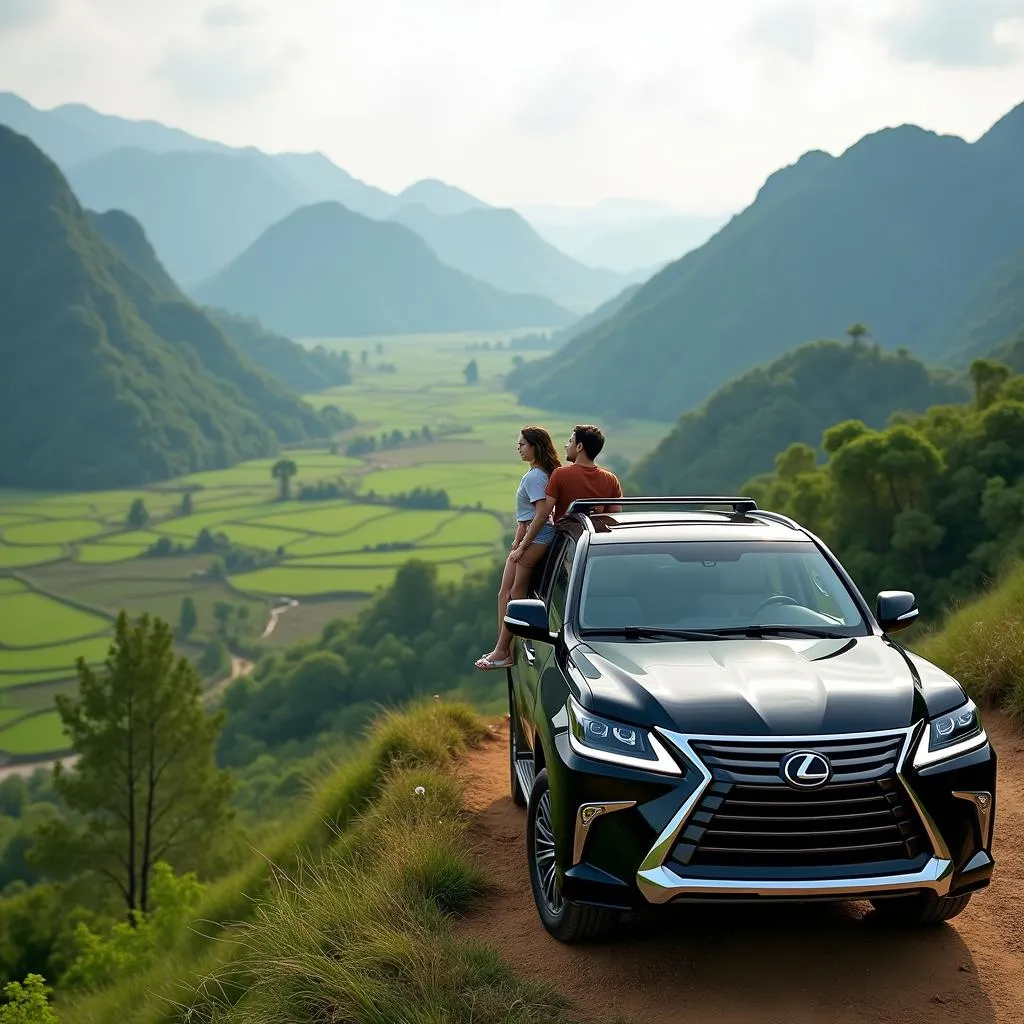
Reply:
x=527, y=617
x=895, y=610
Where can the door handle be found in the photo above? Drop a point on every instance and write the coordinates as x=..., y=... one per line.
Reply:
x=530, y=656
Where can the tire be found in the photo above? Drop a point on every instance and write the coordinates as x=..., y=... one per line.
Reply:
x=518, y=796
x=920, y=910
x=566, y=921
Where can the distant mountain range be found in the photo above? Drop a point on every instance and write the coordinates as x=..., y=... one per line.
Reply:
x=202, y=203
x=905, y=232
x=501, y=248
x=326, y=271
x=112, y=377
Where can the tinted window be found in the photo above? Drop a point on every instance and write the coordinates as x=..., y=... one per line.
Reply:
x=560, y=585
x=715, y=584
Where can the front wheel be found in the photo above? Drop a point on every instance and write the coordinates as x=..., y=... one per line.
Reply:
x=566, y=921
x=921, y=909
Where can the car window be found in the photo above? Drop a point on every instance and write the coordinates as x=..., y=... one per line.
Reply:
x=560, y=584
x=715, y=584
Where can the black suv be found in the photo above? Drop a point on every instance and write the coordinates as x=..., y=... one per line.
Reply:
x=703, y=707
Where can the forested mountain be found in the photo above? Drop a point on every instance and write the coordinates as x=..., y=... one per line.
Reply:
x=109, y=379
x=499, y=247
x=989, y=314
x=736, y=433
x=298, y=367
x=325, y=271
x=894, y=233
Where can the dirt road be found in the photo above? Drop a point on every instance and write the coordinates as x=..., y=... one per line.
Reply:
x=828, y=964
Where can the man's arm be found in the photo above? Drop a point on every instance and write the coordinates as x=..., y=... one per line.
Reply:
x=617, y=493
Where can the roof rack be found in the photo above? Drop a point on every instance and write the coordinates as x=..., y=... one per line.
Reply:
x=740, y=506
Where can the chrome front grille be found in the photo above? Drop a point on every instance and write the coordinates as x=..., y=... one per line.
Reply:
x=749, y=817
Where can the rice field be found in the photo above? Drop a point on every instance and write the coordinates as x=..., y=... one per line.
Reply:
x=70, y=562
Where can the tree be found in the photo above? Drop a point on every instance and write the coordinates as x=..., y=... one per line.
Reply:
x=186, y=503
x=188, y=618
x=471, y=372
x=855, y=332
x=282, y=471
x=146, y=780
x=989, y=377
x=137, y=514
x=27, y=1003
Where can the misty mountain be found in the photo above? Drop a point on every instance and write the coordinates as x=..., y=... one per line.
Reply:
x=501, y=248
x=438, y=197
x=625, y=247
x=325, y=271
x=110, y=377
x=893, y=233
x=199, y=209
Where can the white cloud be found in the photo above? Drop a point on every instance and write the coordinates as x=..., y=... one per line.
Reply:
x=959, y=33
x=563, y=101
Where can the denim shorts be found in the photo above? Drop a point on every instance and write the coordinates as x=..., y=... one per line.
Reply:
x=545, y=535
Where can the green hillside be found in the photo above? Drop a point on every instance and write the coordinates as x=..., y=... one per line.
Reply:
x=501, y=248
x=893, y=232
x=325, y=271
x=109, y=380
x=737, y=431
x=990, y=313
x=299, y=368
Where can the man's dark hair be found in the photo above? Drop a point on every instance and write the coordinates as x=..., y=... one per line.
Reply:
x=589, y=438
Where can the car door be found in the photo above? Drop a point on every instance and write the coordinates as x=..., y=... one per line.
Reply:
x=535, y=656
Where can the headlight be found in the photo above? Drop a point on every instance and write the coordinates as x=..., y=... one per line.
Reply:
x=951, y=735
x=600, y=738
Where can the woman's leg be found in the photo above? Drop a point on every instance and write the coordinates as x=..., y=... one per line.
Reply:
x=520, y=587
x=504, y=592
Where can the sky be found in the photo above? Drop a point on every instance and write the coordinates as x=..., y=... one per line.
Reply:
x=691, y=103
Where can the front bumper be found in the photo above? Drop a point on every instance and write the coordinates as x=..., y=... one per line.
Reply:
x=621, y=826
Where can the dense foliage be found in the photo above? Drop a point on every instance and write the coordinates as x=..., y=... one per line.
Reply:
x=108, y=379
x=418, y=638
x=899, y=230
x=325, y=271
x=932, y=503
x=736, y=432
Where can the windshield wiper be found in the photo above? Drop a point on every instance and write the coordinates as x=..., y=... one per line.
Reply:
x=761, y=631
x=653, y=633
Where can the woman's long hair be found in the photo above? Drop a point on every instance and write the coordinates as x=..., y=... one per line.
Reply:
x=544, y=454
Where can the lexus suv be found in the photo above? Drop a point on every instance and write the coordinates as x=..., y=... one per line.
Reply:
x=703, y=707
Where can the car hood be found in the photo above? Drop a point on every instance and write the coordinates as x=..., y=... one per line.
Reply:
x=762, y=687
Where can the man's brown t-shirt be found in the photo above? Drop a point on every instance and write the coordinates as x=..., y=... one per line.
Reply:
x=568, y=483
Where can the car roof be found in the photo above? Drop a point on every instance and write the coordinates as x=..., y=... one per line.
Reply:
x=631, y=526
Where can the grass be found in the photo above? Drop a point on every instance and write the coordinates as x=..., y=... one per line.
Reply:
x=30, y=620
x=58, y=531
x=981, y=644
x=59, y=658
x=43, y=732
x=312, y=581
x=343, y=913
x=15, y=557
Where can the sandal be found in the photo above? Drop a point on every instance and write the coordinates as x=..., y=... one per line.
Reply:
x=488, y=664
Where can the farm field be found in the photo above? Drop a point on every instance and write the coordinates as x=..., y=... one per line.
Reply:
x=70, y=562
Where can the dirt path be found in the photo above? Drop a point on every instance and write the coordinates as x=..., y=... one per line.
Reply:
x=275, y=614
x=759, y=966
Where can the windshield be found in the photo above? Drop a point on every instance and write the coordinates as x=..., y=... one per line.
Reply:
x=715, y=585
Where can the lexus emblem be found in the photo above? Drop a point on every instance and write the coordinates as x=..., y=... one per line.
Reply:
x=806, y=769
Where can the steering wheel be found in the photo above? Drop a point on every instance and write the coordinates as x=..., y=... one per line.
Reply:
x=774, y=599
